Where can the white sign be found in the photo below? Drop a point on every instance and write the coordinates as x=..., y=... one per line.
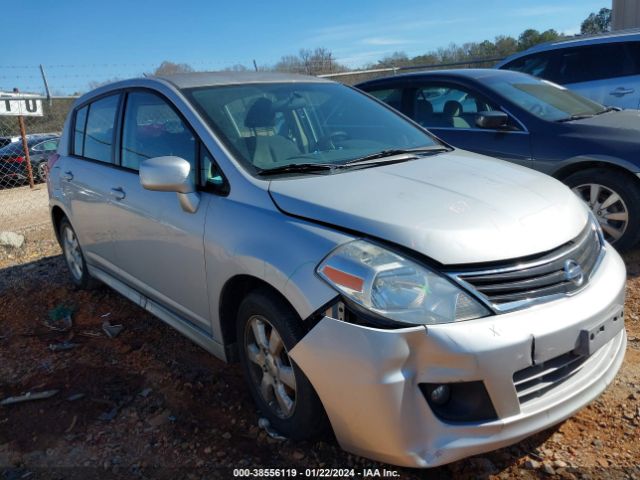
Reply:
x=28, y=107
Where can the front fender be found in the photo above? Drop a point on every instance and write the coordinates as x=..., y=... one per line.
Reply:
x=569, y=165
x=271, y=246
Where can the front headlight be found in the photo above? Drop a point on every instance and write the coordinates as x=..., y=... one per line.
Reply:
x=396, y=288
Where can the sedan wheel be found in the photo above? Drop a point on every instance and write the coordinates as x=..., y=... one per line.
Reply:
x=608, y=207
x=41, y=172
x=271, y=369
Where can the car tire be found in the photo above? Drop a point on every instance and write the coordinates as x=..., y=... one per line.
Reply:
x=74, y=257
x=271, y=374
x=41, y=172
x=614, y=198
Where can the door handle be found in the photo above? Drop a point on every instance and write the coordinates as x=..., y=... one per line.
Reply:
x=621, y=91
x=118, y=193
x=68, y=176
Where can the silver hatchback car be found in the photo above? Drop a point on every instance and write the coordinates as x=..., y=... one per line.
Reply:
x=428, y=302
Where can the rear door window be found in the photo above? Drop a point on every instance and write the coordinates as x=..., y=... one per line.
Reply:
x=98, y=134
x=46, y=146
x=390, y=96
x=594, y=62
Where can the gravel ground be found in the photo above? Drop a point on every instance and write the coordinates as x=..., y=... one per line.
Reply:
x=153, y=405
x=23, y=208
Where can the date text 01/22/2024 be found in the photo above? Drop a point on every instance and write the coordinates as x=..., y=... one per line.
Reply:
x=315, y=473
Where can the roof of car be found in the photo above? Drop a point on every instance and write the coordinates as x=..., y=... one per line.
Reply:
x=463, y=73
x=206, y=79
x=578, y=40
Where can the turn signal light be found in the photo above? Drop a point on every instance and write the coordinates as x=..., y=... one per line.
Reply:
x=344, y=279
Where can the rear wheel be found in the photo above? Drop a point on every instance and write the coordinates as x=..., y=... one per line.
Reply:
x=74, y=257
x=614, y=199
x=267, y=329
x=41, y=172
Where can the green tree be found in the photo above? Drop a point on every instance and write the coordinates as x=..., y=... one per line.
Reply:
x=597, y=22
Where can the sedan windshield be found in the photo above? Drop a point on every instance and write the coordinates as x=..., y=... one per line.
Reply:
x=283, y=125
x=546, y=100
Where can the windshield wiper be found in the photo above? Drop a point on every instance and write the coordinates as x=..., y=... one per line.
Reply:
x=296, y=168
x=609, y=109
x=397, y=151
x=574, y=117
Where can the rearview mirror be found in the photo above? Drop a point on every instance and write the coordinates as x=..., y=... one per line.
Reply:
x=495, y=120
x=170, y=174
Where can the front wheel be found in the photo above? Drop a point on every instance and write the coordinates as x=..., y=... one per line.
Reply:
x=267, y=329
x=614, y=199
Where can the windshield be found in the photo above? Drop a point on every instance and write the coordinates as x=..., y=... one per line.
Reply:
x=546, y=100
x=272, y=125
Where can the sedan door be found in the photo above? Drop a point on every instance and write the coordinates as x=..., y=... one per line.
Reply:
x=449, y=111
x=159, y=246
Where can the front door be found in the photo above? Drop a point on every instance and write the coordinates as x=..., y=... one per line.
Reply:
x=159, y=246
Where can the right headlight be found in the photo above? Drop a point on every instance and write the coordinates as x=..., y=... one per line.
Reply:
x=394, y=287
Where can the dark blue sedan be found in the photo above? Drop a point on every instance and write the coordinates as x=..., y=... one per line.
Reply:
x=510, y=115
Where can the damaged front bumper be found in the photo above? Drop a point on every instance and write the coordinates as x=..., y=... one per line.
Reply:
x=533, y=364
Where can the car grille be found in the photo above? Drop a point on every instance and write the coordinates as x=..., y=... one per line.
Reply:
x=515, y=285
x=535, y=381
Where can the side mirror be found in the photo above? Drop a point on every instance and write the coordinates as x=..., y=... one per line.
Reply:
x=170, y=174
x=494, y=120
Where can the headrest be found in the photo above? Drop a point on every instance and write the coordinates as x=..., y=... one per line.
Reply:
x=261, y=114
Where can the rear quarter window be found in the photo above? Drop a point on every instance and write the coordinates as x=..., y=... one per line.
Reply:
x=94, y=129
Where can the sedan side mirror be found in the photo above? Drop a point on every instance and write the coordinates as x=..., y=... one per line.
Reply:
x=493, y=120
x=171, y=174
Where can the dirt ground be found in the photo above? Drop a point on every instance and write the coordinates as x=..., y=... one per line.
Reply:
x=149, y=403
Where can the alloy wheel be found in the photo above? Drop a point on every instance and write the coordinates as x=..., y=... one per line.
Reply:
x=607, y=206
x=72, y=252
x=270, y=366
x=42, y=171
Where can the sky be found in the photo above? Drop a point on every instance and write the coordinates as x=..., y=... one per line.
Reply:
x=82, y=40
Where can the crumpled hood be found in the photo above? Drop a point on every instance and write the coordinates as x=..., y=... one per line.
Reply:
x=455, y=208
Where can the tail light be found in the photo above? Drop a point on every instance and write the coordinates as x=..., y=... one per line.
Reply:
x=16, y=160
x=52, y=160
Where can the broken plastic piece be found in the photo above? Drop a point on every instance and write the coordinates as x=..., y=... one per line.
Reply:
x=264, y=424
x=112, y=331
x=27, y=397
x=60, y=347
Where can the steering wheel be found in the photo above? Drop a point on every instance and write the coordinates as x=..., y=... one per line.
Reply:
x=339, y=136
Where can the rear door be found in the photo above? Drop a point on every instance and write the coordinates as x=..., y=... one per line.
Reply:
x=607, y=73
x=449, y=110
x=159, y=246
x=86, y=177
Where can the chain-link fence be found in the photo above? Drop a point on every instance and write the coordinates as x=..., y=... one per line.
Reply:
x=26, y=143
